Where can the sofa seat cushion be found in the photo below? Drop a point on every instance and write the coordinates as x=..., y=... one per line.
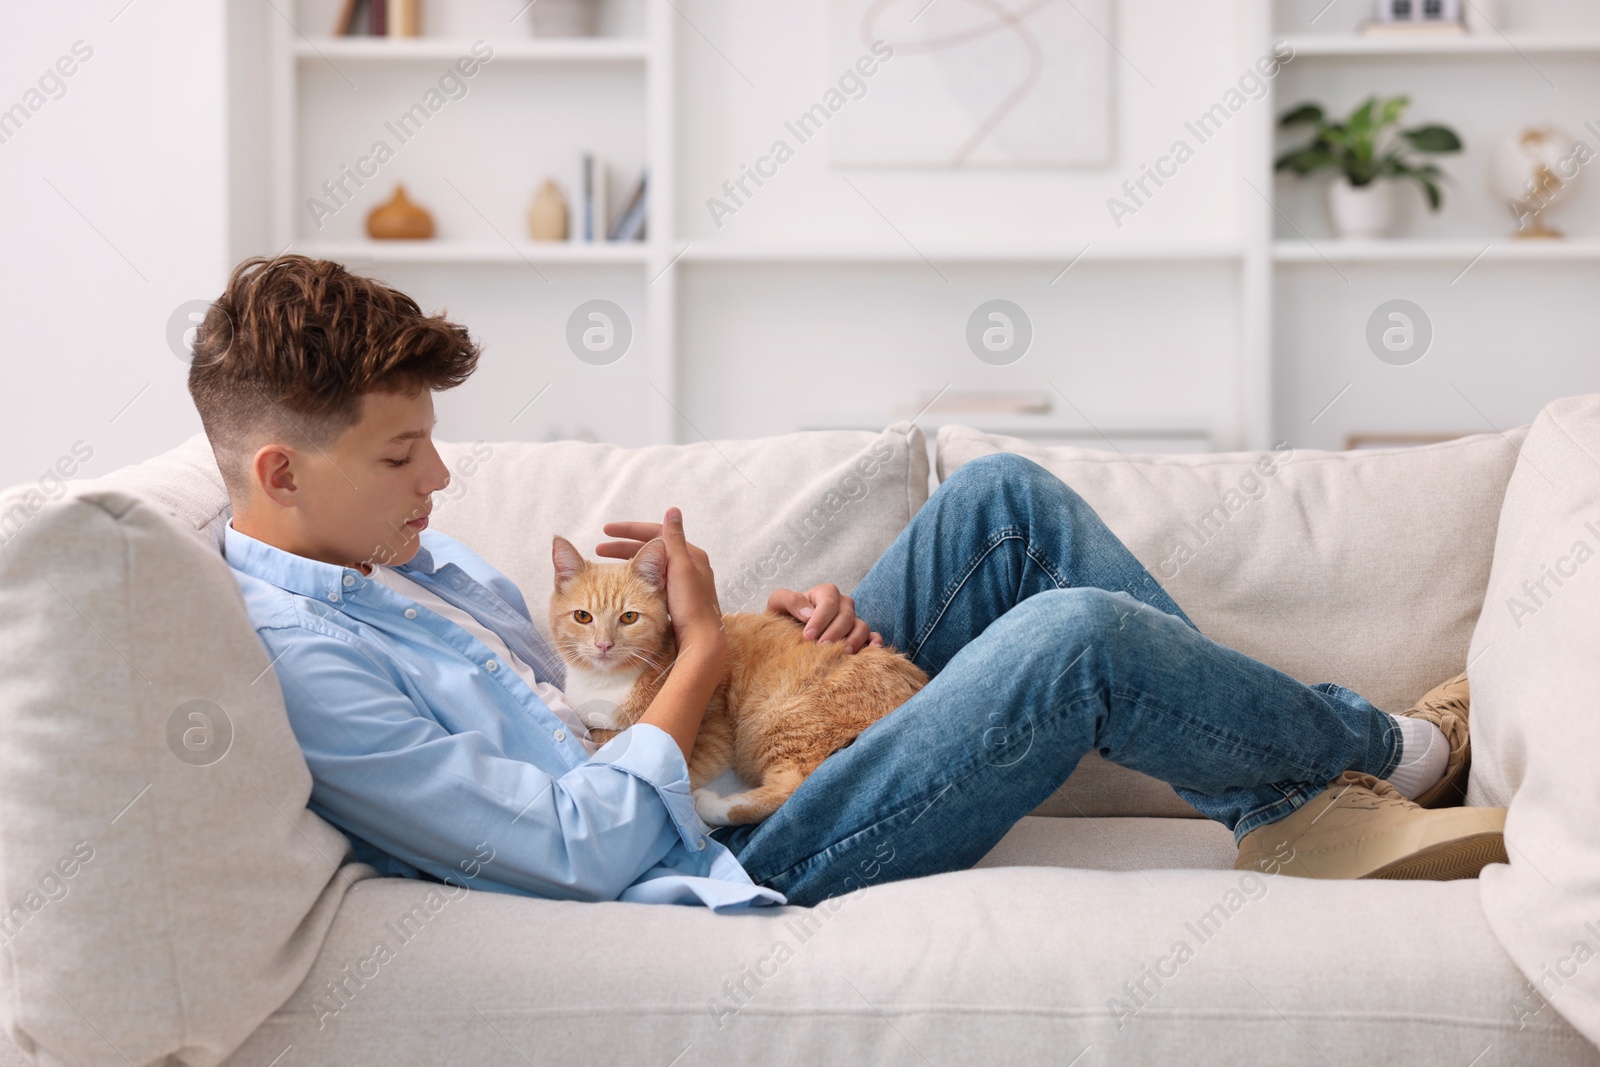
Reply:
x=1364, y=568
x=1114, y=844
x=1011, y=964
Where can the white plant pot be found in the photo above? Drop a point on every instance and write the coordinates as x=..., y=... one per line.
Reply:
x=1359, y=212
x=564, y=18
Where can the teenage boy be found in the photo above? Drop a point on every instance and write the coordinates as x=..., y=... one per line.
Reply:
x=431, y=716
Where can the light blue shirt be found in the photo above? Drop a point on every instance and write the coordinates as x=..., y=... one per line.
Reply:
x=435, y=758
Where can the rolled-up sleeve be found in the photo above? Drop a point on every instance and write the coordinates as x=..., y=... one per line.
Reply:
x=443, y=801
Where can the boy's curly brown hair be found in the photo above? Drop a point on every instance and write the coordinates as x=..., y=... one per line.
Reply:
x=287, y=350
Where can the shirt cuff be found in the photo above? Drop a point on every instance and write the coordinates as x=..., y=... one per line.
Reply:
x=648, y=752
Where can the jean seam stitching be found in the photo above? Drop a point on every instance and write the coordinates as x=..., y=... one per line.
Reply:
x=1043, y=564
x=1237, y=745
x=1004, y=533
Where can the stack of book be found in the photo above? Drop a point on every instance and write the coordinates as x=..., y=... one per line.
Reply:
x=594, y=218
x=380, y=18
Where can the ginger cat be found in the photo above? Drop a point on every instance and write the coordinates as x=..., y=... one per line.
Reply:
x=784, y=702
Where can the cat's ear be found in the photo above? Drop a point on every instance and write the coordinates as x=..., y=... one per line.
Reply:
x=650, y=563
x=568, y=562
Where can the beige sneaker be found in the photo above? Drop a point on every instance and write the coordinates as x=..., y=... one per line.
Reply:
x=1445, y=705
x=1361, y=827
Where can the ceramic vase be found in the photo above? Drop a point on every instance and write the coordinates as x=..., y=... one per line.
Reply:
x=547, y=217
x=399, y=219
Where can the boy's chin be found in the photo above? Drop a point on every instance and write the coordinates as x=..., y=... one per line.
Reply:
x=395, y=555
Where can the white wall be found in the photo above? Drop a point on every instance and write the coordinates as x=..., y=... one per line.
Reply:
x=115, y=213
x=776, y=347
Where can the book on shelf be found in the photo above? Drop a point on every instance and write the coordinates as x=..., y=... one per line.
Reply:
x=595, y=197
x=379, y=18
x=630, y=225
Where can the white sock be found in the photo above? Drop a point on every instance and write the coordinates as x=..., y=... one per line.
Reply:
x=1423, y=756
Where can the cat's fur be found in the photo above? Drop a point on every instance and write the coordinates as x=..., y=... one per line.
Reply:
x=783, y=705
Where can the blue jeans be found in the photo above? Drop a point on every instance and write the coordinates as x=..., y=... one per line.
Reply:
x=1043, y=638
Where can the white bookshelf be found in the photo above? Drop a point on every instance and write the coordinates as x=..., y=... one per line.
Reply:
x=540, y=103
x=1494, y=300
x=1245, y=320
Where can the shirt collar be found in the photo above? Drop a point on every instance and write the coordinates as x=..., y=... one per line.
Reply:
x=298, y=574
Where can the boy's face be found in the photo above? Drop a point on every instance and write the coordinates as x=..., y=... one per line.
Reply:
x=366, y=498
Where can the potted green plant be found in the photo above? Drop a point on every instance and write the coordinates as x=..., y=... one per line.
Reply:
x=1370, y=154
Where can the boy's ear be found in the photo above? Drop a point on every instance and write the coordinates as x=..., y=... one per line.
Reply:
x=650, y=563
x=568, y=562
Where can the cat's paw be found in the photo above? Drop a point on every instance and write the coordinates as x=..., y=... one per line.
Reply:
x=711, y=808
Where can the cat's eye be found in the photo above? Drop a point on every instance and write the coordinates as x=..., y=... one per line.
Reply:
x=582, y=616
x=630, y=616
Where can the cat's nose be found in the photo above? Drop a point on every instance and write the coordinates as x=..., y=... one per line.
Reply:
x=603, y=646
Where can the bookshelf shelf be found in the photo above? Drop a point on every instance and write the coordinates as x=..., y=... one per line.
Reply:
x=601, y=50
x=1340, y=45
x=599, y=253
x=1462, y=251
x=1108, y=252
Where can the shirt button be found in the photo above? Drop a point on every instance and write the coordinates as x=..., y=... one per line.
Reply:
x=492, y=666
x=561, y=735
x=333, y=596
x=411, y=613
x=349, y=580
x=702, y=844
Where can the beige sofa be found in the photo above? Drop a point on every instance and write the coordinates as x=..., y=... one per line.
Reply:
x=208, y=917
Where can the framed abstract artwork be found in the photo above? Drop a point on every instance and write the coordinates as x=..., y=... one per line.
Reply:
x=972, y=83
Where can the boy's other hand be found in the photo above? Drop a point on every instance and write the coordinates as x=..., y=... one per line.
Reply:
x=691, y=588
x=829, y=615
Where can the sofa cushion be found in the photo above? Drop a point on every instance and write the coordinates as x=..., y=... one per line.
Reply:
x=791, y=510
x=1000, y=965
x=1535, y=678
x=1114, y=844
x=164, y=887
x=1365, y=568
x=184, y=480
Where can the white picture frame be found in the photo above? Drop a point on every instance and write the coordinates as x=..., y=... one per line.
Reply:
x=966, y=88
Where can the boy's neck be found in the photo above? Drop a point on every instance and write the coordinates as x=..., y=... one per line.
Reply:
x=243, y=525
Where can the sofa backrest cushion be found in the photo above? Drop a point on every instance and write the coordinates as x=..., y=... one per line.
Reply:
x=1535, y=689
x=163, y=888
x=791, y=510
x=185, y=481
x=1365, y=568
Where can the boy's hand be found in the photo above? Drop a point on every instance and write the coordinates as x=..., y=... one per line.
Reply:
x=828, y=613
x=691, y=585
x=637, y=533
